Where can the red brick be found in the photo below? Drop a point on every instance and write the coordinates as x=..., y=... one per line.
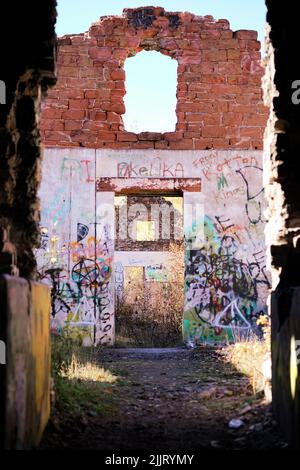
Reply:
x=100, y=52
x=259, y=120
x=113, y=117
x=150, y=136
x=185, y=144
x=78, y=104
x=203, y=144
x=233, y=54
x=96, y=126
x=64, y=71
x=71, y=93
x=98, y=116
x=253, y=132
x=219, y=97
x=161, y=144
x=173, y=136
x=214, y=55
x=52, y=113
x=127, y=137
x=73, y=114
x=106, y=136
x=232, y=119
x=52, y=125
x=73, y=125
x=192, y=134
x=118, y=74
x=245, y=34
x=213, y=131
x=57, y=136
x=147, y=144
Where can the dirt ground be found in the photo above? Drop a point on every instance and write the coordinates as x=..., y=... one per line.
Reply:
x=167, y=400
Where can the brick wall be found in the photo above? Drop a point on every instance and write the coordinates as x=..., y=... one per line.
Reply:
x=219, y=103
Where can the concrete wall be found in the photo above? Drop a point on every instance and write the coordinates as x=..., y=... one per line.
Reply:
x=25, y=378
x=225, y=277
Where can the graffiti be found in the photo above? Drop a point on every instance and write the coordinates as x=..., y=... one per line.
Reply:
x=226, y=280
x=222, y=182
x=213, y=166
x=156, y=169
x=253, y=208
x=82, y=232
x=56, y=209
x=119, y=281
x=91, y=248
x=106, y=312
x=80, y=169
x=85, y=272
x=88, y=178
x=156, y=272
x=76, y=294
x=58, y=303
x=222, y=287
x=44, y=238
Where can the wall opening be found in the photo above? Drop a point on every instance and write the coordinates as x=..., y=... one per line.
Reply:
x=149, y=270
x=150, y=100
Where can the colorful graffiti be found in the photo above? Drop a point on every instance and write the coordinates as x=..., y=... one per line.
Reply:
x=222, y=285
x=226, y=283
x=76, y=250
x=78, y=294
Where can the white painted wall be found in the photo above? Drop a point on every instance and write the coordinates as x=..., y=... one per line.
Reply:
x=225, y=280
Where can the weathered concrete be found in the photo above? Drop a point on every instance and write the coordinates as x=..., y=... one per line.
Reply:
x=25, y=378
x=230, y=221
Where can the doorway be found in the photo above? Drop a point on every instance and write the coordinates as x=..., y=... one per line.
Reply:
x=149, y=270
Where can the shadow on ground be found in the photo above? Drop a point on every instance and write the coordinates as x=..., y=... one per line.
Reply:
x=166, y=400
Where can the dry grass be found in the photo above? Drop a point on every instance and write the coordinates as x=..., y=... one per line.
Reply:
x=150, y=313
x=248, y=358
x=81, y=384
x=78, y=369
x=248, y=355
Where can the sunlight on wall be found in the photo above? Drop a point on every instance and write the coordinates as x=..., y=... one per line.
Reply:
x=151, y=82
x=145, y=230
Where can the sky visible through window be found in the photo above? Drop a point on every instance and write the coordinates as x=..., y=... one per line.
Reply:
x=76, y=16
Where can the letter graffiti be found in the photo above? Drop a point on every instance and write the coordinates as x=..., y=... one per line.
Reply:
x=156, y=169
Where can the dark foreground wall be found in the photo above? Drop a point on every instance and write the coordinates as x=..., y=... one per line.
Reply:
x=25, y=378
x=282, y=171
x=286, y=383
x=27, y=70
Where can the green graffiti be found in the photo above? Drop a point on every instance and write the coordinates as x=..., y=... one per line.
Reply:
x=222, y=182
